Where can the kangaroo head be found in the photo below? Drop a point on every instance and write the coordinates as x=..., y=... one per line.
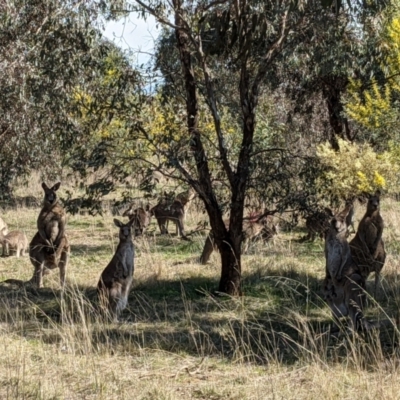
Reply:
x=125, y=230
x=338, y=222
x=373, y=202
x=50, y=195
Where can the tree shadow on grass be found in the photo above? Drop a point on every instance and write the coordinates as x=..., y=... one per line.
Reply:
x=281, y=317
x=89, y=249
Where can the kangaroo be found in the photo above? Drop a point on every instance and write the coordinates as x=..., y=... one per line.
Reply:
x=3, y=227
x=367, y=246
x=317, y=223
x=347, y=299
x=350, y=216
x=337, y=249
x=183, y=197
x=173, y=212
x=116, y=279
x=141, y=218
x=15, y=241
x=343, y=284
x=252, y=227
x=49, y=247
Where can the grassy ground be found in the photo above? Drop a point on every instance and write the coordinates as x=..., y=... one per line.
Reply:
x=176, y=340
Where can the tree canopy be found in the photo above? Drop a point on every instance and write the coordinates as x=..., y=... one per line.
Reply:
x=256, y=107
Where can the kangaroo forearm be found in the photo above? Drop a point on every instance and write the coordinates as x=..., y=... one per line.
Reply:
x=43, y=235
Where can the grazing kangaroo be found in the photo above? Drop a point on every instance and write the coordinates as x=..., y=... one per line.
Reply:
x=15, y=241
x=317, y=223
x=141, y=218
x=116, y=279
x=49, y=247
x=343, y=284
x=252, y=227
x=367, y=246
x=164, y=212
x=3, y=227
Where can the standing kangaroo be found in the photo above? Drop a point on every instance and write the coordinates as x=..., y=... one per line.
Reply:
x=164, y=212
x=49, y=247
x=116, y=279
x=343, y=284
x=367, y=247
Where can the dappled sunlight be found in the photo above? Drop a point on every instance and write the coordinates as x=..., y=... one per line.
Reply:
x=173, y=316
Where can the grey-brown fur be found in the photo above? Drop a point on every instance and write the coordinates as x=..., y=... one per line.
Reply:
x=185, y=197
x=14, y=241
x=49, y=247
x=174, y=212
x=367, y=246
x=3, y=226
x=116, y=279
x=347, y=299
x=337, y=249
x=141, y=218
x=252, y=228
x=350, y=216
x=343, y=284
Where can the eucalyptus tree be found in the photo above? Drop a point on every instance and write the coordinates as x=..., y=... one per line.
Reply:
x=46, y=48
x=225, y=49
x=342, y=45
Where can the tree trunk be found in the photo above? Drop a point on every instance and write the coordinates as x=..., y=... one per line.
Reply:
x=231, y=273
x=333, y=87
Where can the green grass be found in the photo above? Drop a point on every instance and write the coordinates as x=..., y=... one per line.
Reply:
x=177, y=340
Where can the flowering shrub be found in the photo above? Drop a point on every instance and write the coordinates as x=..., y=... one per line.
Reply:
x=356, y=168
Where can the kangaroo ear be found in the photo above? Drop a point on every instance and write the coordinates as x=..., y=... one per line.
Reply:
x=44, y=186
x=329, y=211
x=56, y=186
x=147, y=207
x=377, y=193
x=366, y=195
x=118, y=223
x=344, y=213
x=130, y=222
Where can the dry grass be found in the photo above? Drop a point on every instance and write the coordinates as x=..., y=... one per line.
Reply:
x=178, y=341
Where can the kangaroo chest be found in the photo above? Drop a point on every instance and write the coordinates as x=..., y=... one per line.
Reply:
x=337, y=255
x=371, y=229
x=49, y=221
x=123, y=262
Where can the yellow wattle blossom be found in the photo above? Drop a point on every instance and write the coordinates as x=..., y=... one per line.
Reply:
x=379, y=180
x=372, y=107
x=363, y=184
x=357, y=168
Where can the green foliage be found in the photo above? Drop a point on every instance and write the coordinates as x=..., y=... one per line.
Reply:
x=45, y=47
x=373, y=102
